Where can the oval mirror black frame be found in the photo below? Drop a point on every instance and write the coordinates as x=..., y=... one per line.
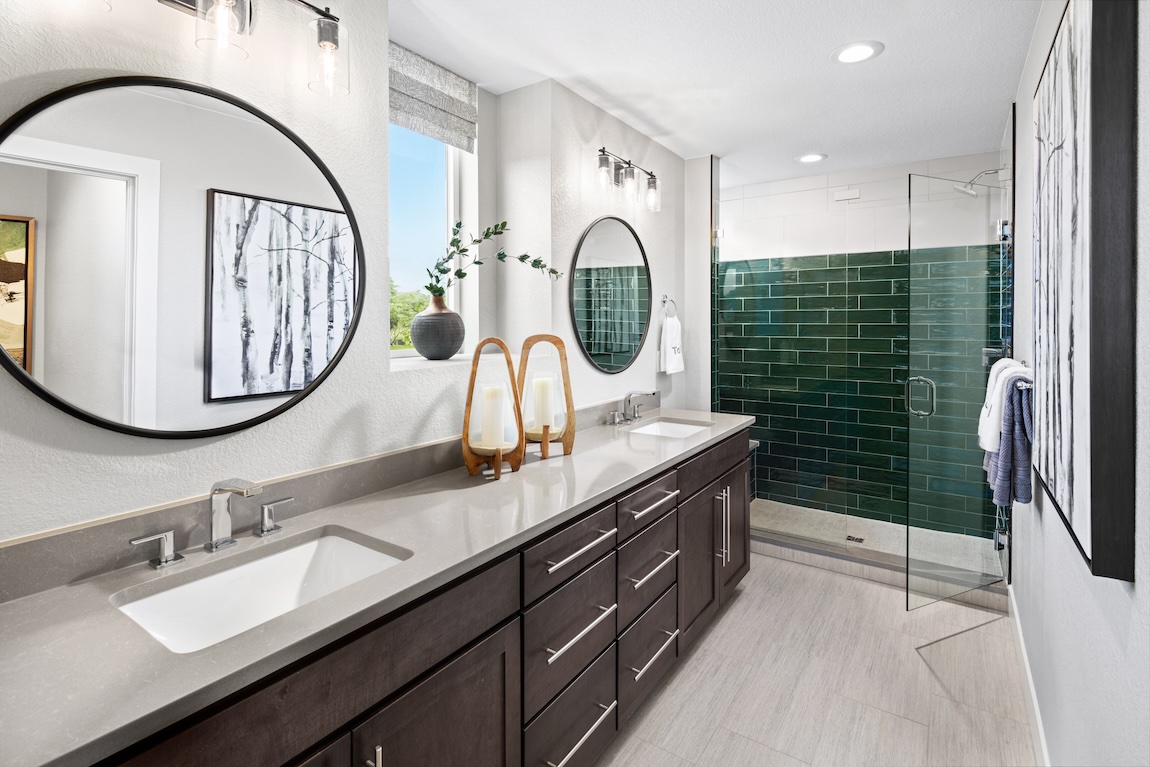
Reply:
x=571, y=295
x=12, y=124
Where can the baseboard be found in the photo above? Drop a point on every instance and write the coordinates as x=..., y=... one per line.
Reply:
x=1033, y=713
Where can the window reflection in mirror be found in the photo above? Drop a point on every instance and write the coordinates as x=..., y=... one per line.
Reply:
x=611, y=294
x=193, y=267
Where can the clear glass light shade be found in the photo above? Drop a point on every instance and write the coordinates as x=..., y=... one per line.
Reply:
x=222, y=27
x=605, y=172
x=652, y=198
x=492, y=424
x=544, y=399
x=328, y=58
x=630, y=184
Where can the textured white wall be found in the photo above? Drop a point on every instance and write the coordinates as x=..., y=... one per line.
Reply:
x=1087, y=639
x=695, y=306
x=579, y=129
x=60, y=471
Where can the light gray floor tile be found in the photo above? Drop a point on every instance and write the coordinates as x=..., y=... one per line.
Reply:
x=784, y=701
x=884, y=670
x=631, y=751
x=691, y=704
x=962, y=736
x=856, y=734
x=727, y=749
x=979, y=669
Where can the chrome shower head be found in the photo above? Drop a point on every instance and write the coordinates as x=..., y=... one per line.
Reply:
x=964, y=189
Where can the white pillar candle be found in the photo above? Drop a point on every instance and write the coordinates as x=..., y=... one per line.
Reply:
x=544, y=402
x=491, y=434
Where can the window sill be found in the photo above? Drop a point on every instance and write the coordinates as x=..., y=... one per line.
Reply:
x=416, y=362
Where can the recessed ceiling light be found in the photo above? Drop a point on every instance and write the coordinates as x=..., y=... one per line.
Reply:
x=853, y=53
x=811, y=157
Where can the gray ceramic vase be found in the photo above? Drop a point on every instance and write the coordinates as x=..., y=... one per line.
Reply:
x=437, y=332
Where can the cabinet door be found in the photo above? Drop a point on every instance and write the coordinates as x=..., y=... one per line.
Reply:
x=467, y=712
x=699, y=528
x=337, y=754
x=735, y=529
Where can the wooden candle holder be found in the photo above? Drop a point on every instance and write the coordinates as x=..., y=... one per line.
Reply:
x=567, y=436
x=476, y=457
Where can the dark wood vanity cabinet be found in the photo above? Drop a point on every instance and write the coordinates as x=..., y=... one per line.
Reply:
x=545, y=654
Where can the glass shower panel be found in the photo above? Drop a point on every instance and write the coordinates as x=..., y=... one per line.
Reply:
x=781, y=356
x=959, y=320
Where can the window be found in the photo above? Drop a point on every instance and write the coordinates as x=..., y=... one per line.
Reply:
x=419, y=213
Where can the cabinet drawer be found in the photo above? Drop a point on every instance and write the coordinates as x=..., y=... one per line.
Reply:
x=648, y=564
x=709, y=465
x=646, y=651
x=549, y=563
x=579, y=723
x=336, y=754
x=645, y=505
x=565, y=631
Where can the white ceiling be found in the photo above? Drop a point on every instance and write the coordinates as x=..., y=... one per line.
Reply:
x=751, y=81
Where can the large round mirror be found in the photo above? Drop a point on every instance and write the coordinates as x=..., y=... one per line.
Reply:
x=610, y=294
x=173, y=262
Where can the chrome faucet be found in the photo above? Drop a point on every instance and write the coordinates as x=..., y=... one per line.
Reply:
x=222, y=492
x=630, y=411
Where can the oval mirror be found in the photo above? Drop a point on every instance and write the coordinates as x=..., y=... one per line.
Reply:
x=173, y=262
x=610, y=294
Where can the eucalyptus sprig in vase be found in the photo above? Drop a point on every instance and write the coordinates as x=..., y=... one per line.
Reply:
x=437, y=332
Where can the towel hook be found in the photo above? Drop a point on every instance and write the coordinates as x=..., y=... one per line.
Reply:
x=673, y=311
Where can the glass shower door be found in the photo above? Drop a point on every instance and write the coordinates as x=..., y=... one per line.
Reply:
x=959, y=323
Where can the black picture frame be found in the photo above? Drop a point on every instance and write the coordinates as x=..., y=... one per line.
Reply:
x=1112, y=190
x=13, y=123
x=210, y=286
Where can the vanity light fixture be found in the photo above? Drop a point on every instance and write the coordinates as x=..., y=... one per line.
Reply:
x=813, y=157
x=616, y=173
x=328, y=61
x=857, y=52
x=222, y=27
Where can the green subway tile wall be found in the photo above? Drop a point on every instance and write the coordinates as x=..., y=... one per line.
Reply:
x=818, y=348
x=611, y=310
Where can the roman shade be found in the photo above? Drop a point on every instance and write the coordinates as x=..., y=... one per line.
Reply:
x=431, y=100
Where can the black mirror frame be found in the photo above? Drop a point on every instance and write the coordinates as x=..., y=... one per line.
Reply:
x=571, y=295
x=15, y=121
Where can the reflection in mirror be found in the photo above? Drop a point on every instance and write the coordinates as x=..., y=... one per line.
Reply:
x=610, y=294
x=136, y=292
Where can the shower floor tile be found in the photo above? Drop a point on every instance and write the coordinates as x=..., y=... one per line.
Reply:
x=810, y=667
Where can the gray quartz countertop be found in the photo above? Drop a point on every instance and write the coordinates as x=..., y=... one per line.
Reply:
x=79, y=680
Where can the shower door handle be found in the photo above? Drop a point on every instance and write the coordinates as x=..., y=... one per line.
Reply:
x=931, y=396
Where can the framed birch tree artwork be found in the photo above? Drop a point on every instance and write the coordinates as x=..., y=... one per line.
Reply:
x=281, y=294
x=1085, y=139
x=17, y=260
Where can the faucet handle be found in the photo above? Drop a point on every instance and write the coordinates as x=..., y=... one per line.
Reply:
x=168, y=556
x=635, y=412
x=268, y=524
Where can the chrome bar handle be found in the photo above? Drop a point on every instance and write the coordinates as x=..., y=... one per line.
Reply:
x=640, y=514
x=910, y=408
x=640, y=582
x=727, y=519
x=607, y=711
x=378, y=761
x=557, y=654
x=670, y=638
x=722, y=553
x=568, y=560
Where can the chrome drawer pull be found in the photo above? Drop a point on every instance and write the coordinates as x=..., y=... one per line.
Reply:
x=557, y=654
x=607, y=711
x=640, y=514
x=670, y=638
x=639, y=582
x=378, y=761
x=564, y=562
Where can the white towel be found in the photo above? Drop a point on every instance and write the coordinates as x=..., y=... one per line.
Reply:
x=671, y=348
x=990, y=419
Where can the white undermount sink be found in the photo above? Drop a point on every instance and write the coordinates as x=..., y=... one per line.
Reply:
x=208, y=610
x=671, y=429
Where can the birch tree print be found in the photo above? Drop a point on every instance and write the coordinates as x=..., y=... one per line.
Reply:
x=282, y=284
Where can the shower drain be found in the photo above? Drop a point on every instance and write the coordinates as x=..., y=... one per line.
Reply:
x=853, y=539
